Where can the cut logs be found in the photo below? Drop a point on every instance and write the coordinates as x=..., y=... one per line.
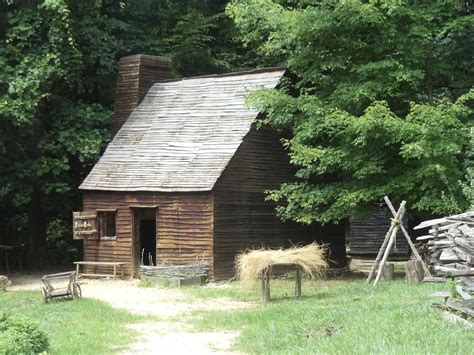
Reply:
x=388, y=271
x=450, y=244
x=414, y=271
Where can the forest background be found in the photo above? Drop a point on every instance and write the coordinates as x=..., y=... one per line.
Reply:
x=378, y=99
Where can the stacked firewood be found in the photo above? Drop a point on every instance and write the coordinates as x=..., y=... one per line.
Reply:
x=450, y=244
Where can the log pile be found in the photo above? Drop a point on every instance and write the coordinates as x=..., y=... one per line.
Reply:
x=450, y=244
x=459, y=300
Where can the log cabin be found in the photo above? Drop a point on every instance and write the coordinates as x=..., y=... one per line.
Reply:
x=366, y=235
x=185, y=175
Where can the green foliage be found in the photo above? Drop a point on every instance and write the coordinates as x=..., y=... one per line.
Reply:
x=51, y=130
x=191, y=44
x=59, y=62
x=380, y=103
x=469, y=184
x=21, y=336
x=61, y=248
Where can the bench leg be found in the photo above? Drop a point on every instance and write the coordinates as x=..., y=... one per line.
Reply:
x=77, y=272
x=115, y=271
x=121, y=272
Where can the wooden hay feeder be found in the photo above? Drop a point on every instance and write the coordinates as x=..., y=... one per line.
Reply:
x=254, y=264
x=266, y=281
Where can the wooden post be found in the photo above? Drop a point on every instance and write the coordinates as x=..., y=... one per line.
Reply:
x=398, y=216
x=387, y=271
x=396, y=224
x=115, y=272
x=407, y=237
x=266, y=286
x=298, y=283
x=414, y=271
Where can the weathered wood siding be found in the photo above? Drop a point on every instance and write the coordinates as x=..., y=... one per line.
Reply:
x=184, y=226
x=367, y=234
x=242, y=217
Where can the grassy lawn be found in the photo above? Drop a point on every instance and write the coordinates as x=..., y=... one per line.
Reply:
x=83, y=326
x=338, y=317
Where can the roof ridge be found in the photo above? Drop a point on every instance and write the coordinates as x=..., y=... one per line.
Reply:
x=253, y=71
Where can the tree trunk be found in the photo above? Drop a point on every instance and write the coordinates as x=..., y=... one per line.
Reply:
x=36, y=216
x=37, y=229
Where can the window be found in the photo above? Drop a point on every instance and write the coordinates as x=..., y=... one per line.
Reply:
x=106, y=225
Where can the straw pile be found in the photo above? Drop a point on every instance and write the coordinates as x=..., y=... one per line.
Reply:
x=250, y=265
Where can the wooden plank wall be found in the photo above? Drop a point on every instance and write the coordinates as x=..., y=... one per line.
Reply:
x=242, y=217
x=184, y=226
x=367, y=234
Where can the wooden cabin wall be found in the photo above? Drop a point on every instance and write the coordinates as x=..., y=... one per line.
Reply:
x=184, y=227
x=367, y=234
x=242, y=217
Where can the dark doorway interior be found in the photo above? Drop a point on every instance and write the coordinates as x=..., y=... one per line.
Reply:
x=148, y=241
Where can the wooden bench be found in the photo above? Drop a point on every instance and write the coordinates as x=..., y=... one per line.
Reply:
x=99, y=263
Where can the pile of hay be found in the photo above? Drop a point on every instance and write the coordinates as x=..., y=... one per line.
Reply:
x=250, y=265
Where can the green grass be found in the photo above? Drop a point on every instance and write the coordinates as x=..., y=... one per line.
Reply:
x=338, y=317
x=82, y=326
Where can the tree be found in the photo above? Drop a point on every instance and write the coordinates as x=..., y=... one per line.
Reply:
x=469, y=184
x=381, y=104
x=59, y=64
x=49, y=131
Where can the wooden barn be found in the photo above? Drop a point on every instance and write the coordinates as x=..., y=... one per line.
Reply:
x=366, y=235
x=185, y=174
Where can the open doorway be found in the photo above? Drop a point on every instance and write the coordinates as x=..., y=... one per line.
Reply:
x=144, y=253
x=148, y=241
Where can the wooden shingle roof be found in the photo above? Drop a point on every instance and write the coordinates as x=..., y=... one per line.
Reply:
x=182, y=135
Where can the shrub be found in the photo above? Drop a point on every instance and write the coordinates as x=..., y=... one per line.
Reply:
x=21, y=336
x=62, y=249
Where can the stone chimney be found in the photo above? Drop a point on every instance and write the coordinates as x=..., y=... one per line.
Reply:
x=136, y=74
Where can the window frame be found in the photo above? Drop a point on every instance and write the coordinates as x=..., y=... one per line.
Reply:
x=101, y=218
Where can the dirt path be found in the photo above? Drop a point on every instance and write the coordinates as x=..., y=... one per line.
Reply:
x=166, y=336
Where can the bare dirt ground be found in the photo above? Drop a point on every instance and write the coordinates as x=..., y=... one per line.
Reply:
x=166, y=336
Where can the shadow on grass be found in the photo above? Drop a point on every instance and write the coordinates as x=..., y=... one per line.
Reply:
x=284, y=298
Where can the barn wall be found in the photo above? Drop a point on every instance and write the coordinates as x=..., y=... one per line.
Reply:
x=367, y=234
x=243, y=218
x=184, y=226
